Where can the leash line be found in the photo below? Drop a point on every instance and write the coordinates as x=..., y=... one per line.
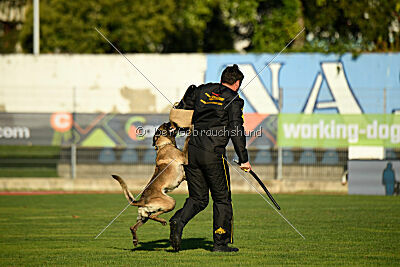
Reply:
x=266, y=200
x=113, y=220
x=154, y=179
x=258, y=73
x=133, y=65
x=130, y=202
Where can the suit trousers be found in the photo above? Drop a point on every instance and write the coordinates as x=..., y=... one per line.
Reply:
x=208, y=172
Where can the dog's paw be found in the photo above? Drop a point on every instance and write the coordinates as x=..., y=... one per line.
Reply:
x=135, y=242
x=164, y=223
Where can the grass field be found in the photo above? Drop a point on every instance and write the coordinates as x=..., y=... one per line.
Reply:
x=339, y=230
x=29, y=161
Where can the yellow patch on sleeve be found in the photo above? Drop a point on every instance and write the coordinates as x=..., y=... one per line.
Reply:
x=214, y=103
x=213, y=97
x=216, y=98
x=220, y=231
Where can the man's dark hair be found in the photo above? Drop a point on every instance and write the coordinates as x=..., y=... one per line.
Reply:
x=231, y=74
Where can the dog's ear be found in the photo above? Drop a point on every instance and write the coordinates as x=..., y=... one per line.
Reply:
x=155, y=136
x=173, y=129
x=173, y=125
x=154, y=140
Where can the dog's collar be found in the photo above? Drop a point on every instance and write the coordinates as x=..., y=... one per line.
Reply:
x=163, y=145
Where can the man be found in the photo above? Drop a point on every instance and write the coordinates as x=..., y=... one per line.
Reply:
x=389, y=179
x=217, y=117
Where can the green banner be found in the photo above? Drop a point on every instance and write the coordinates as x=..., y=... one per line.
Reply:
x=335, y=130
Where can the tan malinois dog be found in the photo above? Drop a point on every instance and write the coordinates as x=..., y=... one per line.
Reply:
x=168, y=175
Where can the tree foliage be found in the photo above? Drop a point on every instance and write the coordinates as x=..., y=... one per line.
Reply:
x=363, y=25
x=11, y=16
x=267, y=25
x=214, y=25
x=68, y=26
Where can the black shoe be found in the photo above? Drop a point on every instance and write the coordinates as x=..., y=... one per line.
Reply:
x=175, y=235
x=224, y=248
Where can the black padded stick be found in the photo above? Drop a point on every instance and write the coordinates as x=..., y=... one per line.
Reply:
x=263, y=186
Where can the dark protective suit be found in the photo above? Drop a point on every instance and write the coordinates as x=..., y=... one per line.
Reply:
x=208, y=170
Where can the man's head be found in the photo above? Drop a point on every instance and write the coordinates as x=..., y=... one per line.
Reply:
x=232, y=77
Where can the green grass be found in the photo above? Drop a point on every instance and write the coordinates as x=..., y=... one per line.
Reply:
x=28, y=172
x=29, y=151
x=339, y=230
x=29, y=161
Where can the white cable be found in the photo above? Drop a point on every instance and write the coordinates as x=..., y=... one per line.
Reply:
x=135, y=199
x=133, y=66
x=266, y=66
x=266, y=200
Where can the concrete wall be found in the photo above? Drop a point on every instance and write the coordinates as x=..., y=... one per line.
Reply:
x=98, y=178
x=103, y=83
x=268, y=172
x=110, y=185
x=310, y=83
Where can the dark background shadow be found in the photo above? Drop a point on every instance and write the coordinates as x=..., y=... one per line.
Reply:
x=164, y=244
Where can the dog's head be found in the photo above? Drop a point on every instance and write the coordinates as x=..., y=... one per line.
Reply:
x=166, y=131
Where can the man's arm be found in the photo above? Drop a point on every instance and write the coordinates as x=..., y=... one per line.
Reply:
x=237, y=134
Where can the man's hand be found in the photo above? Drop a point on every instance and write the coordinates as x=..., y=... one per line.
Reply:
x=245, y=166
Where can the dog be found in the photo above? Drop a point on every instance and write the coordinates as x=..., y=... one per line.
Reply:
x=168, y=175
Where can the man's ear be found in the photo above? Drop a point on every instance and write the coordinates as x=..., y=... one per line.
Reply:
x=237, y=85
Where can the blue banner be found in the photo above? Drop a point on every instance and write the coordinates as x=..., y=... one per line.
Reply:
x=315, y=83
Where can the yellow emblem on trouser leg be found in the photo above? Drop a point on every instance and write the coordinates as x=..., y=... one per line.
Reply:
x=220, y=231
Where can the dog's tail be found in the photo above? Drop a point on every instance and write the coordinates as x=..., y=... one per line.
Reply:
x=127, y=193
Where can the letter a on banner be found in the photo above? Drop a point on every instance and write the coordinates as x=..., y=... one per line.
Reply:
x=256, y=93
x=344, y=100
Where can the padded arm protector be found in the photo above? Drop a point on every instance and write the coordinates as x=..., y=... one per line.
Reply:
x=188, y=99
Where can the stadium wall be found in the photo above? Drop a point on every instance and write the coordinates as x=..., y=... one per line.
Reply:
x=110, y=99
x=102, y=83
x=304, y=83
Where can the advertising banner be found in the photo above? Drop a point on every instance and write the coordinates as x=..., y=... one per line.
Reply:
x=289, y=83
x=110, y=130
x=314, y=83
x=335, y=130
x=86, y=130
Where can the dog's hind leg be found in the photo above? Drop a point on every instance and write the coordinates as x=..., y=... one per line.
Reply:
x=168, y=205
x=134, y=228
x=157, y=219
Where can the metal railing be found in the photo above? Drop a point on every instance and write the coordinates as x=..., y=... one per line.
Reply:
x=297, y=164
